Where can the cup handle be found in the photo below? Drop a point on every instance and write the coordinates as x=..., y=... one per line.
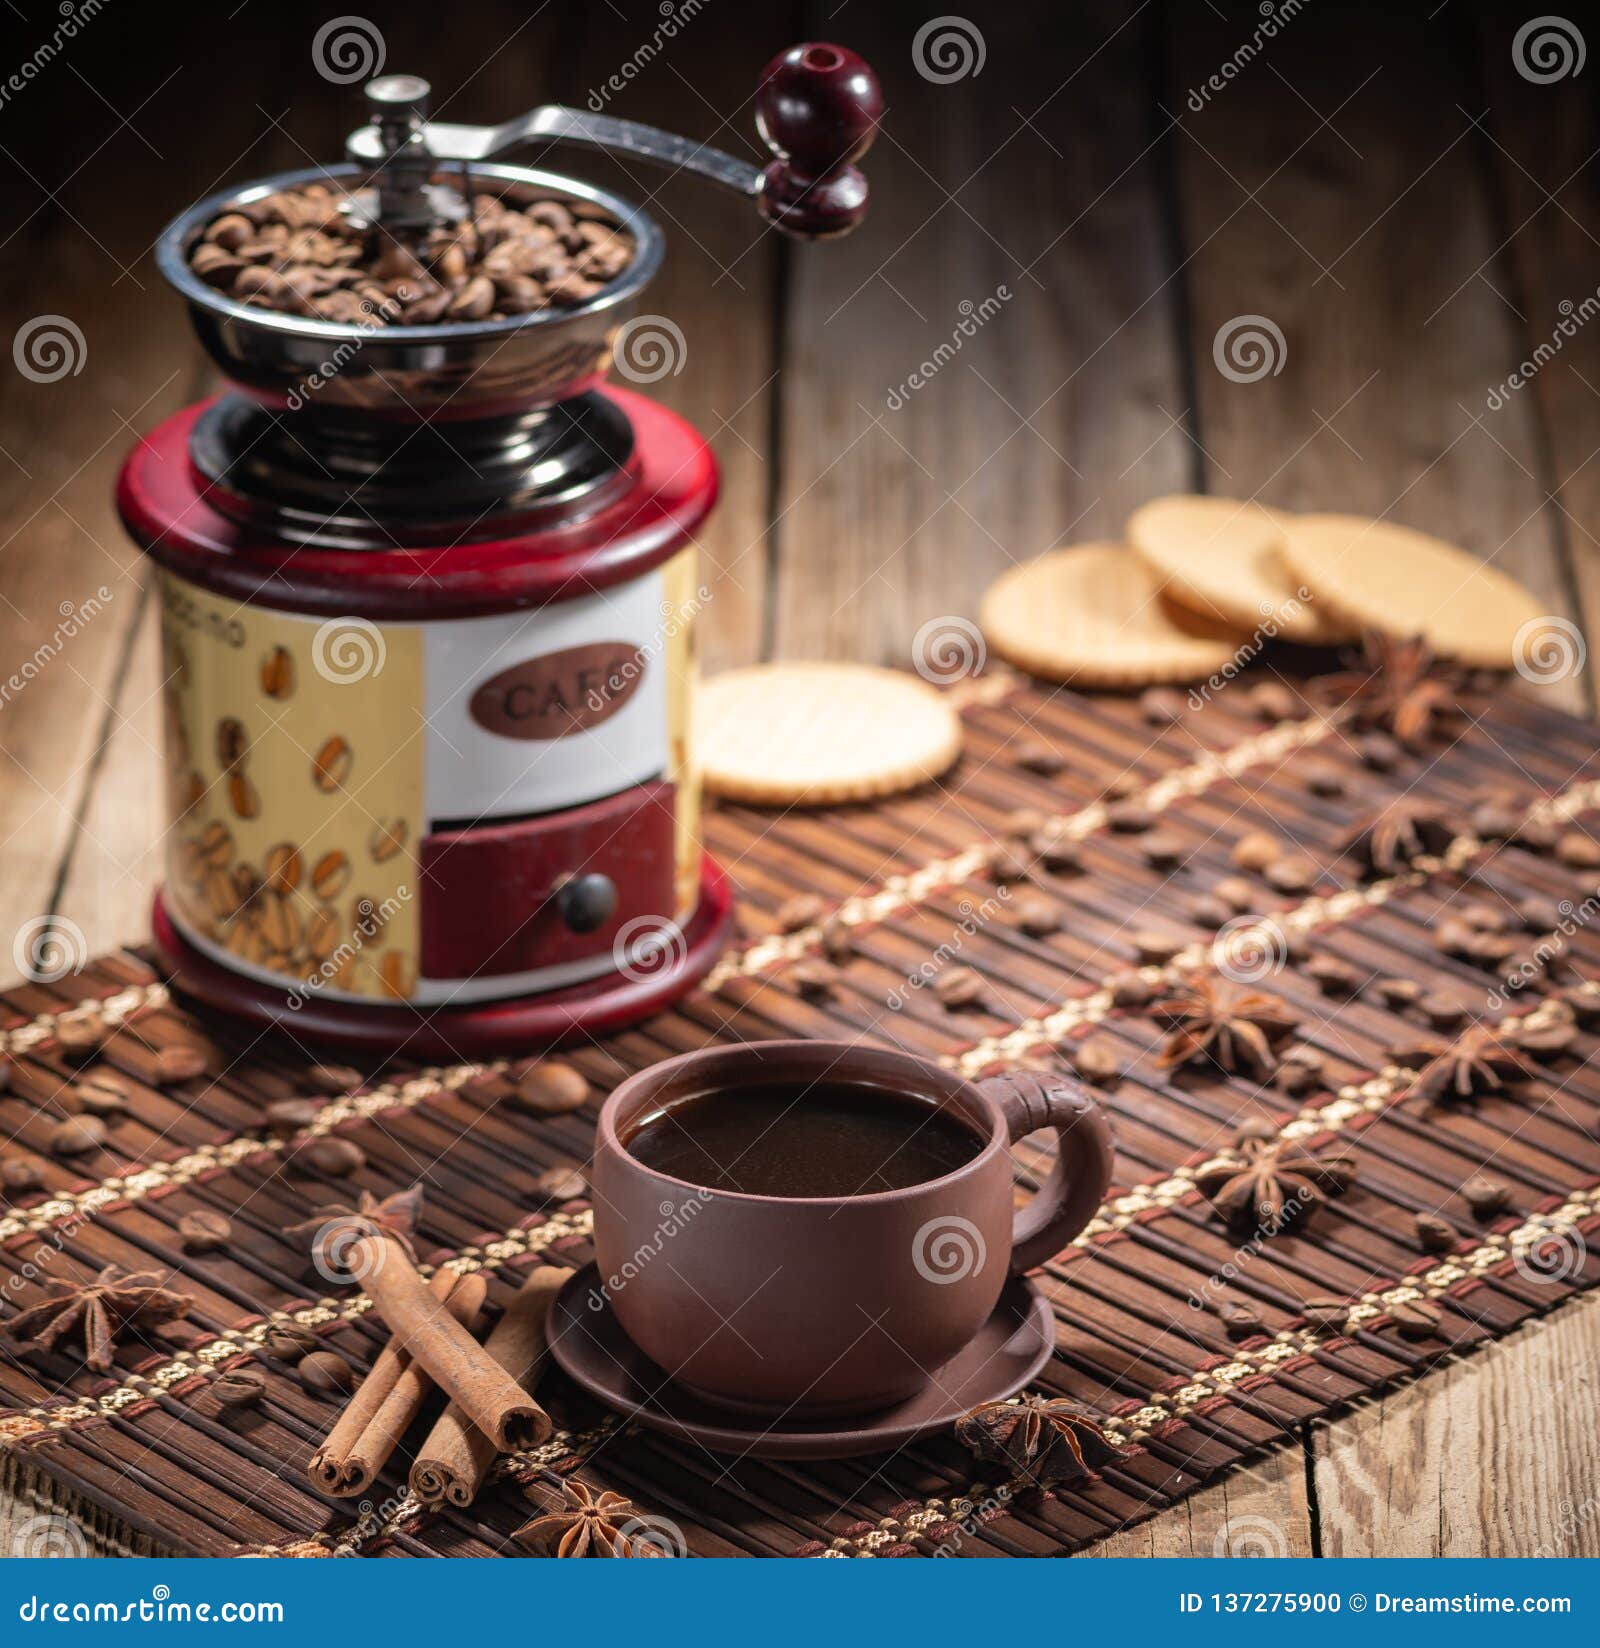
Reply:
x=1077, y=1185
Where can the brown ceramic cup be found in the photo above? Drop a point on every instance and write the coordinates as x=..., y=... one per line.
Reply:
x=832, y=1305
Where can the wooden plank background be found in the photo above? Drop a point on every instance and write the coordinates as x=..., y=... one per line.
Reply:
x=1406, y=207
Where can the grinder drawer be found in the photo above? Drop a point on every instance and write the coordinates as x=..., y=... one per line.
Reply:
x=546, y=891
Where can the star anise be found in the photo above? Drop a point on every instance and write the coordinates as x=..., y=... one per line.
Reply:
x=394, y=1216
x=96, y=1312
x=1395, y=838
x=588, y=1524
x=1042, y=1437
x=1398, y=688
x=1266, y=1183
x=1483, y=1059
x=1214, y=1019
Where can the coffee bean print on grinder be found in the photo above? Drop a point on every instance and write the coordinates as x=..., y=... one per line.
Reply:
x=428, y=747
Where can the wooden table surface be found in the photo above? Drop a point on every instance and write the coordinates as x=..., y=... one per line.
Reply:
x=1415, y=217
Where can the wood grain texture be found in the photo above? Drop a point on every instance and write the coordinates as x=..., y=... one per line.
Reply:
x=1258, y=1510
x=1493, y=1456
x=1357, y=223
x=1054, y=414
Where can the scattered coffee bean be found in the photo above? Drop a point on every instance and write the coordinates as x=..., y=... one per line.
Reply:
x=101, y=1093
x=813, y=978
x=80, y=1034
x=1546, y=1033
x=1161, y=706
x=1037, y=916
x=1023, y=821
x=1256, y=851
x=1097, y=1060
x=1485, y=1196
x=1443, y=1012
x=1123, y=786
x=204, y=1231
x=551, y=1088
x=1056, y=849
x=1155, y=949
x=1209, y=911
x=1538, y=914
x=1295, y=874
x=1129, y=990
x=178, y=1063
x=1325, y=781
x=1578, y=851
x=959, y=987
x=1484, y=918
x=78, y=1135
x=1333, y=976
x=1378, y=751
x=289, y=1341
x=1161, y=850
x=838, y=940
x=325, y=1372
x=18, y=1176
x=1034, y=757
x=1295, y=1079
x=336, y=1080
x=239, y=1389
x=1435, y=1235
x=1536, y=837
x=1273, y=701
x=1399, y=992
x=1584, y=1000
x=1326, y=1315
x=1416, y=1318
x=1305, y=1058
x=1236, y=893
x=287, y=1116
x=1240, y=1319
x=1129, y=818
x=561, y=1184
x=1009, y=863
x=802, y=911
x=338, y=1158
x=1495, y=820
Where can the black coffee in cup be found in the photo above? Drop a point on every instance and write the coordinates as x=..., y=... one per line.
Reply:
x=802, y=1139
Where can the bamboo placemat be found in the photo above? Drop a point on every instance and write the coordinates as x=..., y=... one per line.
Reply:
x=147, y=1455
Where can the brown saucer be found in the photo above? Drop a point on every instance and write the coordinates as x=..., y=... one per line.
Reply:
x=592, y=1349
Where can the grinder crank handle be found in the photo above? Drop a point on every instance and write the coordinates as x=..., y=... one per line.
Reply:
x=817, y=109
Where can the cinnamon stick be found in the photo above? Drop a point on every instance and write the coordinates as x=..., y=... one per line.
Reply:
x=388, y=1400
x=454, y=1461
x=452, y=1358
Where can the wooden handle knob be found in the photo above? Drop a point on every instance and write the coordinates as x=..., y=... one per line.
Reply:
x=817, y=109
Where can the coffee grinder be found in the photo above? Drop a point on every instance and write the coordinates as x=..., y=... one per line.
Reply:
x=428, y=595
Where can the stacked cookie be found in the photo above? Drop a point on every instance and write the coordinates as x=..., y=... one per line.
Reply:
x=1203, y=583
